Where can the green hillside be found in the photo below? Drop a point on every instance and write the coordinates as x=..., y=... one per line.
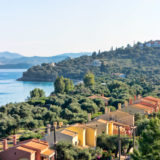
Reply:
x=130, y=61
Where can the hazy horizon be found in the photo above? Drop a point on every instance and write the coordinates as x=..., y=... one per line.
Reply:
x=44, y=55
x=52, y=27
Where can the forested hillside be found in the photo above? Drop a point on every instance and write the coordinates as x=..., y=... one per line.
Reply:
x=69, y=105
x=131, y=61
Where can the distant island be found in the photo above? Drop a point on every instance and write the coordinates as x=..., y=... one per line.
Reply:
x=9, y=60
x=142, y=59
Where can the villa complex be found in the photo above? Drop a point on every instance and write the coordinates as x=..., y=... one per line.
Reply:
x=119, y=122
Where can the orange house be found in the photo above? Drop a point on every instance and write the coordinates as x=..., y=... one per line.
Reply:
x=33, y=149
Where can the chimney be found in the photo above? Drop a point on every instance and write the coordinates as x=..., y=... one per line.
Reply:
x=135, y=97
x=55, y=124
x=14, y=140
x=126, y=104
x=139, y=97
x=89, y=117
x=106, y=110
x=106, y=103
x=60, y=124
x=5, y=144
x=133, y=120
x=107, y=128
x=157, y=104
x=130, y=101
x=119, y=106
x=54, y=130
x=48, y=129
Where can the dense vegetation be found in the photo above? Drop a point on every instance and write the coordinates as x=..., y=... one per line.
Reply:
x=149, y=138
x=110, y=144
x=70, y=103
x=66, y=151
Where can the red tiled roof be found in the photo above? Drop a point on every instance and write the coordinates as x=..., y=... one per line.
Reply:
x=147, y=104
x=152, y=99
x=143, y=107
x=35, y=145
x=25, y=149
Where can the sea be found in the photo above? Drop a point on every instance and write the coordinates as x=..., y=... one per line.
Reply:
x=12, y=90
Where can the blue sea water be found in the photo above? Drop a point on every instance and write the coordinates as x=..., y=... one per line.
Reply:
x=18, y=91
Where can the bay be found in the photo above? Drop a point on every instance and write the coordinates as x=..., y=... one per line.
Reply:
x=18, y=91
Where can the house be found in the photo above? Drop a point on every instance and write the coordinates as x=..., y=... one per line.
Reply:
x=32, y=149
x=62, y=135
x=52, y=64
x=86, y=135
x=109, y=127
x=77, y=134
x=142, y=105
x=121, y=75
x=155, y=44
x=101, y=126
x=96, y=63
x=118, y=116
x=112, y=121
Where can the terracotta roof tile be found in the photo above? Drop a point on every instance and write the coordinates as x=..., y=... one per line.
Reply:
x=143, y=107
x=149, y=98
x=146, y=103
x=120, y=124
x=25, y=149
x=36, y=144
x=48, y=152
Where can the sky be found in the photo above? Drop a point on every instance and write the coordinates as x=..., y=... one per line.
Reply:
x=52, y=27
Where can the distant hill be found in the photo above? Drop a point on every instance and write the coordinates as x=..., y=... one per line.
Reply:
x=75, y=55
x=136, y=61
x=9, y=55
x=14, y=60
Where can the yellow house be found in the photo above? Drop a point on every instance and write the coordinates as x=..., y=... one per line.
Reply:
x=110, y=128
x=86, y=135
x=91, y=135
x=101, y=126
x=81, y=134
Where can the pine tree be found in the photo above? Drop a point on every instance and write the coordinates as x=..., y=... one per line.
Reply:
x=59, y=85
x=68, y=85
x=62, y=85
x=89, y=79
x=37, y=93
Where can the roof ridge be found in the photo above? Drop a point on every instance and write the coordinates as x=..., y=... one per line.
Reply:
x=69, y=131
